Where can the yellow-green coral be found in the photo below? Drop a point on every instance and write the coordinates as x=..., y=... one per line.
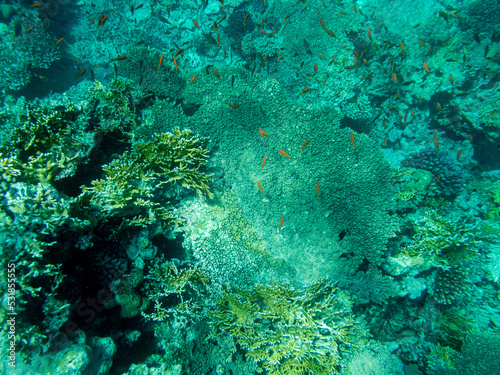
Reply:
x=134, y=186
x=446, y=240
x=288, y=331
x=173, y=290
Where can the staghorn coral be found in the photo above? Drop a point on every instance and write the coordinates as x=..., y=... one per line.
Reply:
x=289, y=331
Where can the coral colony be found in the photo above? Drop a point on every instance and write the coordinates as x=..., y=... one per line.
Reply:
x=245, y=187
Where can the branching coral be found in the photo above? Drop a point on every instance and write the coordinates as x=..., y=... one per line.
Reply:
x=134, y=184
x=287, y=330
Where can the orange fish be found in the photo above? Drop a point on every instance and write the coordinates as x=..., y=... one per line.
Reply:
x=193, y=78
x=81, y=73
x=458, y=155
x=281, y=222
x=433, y=134
x=317, y=190
x=352, y=141
x=246, y=16
x=161, y=62
x=175, y=64
x=436, y=143
x=437, y=179
x=36, y=5
x=402, y=46
x=394, y=78
x=453, y=15
x=102, y=19
x=492, y=113
x=58, y=41
x=421, y=42
x=304, y=145
x=263, y=133
x=263, y=32
x=385, y=139
x=234, y=106
x=265, y=58
x=119, y=58
x=284, y=153
x=331, y=33
x=196, y=24
x=315, y=68
x=406, y=117
x=263, y=162
x=305, y=90
x=426, y=68
x=261, y=189
x=369, y=34
x=322, y=22
x=451, y=79
x=178, y=51
x=439, y=107
x=342, y=12
x=168, y=10
x=216, y=74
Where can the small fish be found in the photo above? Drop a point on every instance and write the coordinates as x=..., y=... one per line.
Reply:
x=369, y=32
x=317, y=190
x=402, y=46
x=439, y=107
x=433, y=134
x=234, y=106
x=263, y=133
x=263, y=162
x=352, y=141
x=421, y=42
x=119, y=58
x=315, y=68
x=437, y=179
x=281, y=223
x=58, y=41
x=216, y=74
x=322, y=22
x=178, y=52
x=406, y=117
x=305, y=90
x=471, y=139
x=283, y=153
x=436, y=143
x=451, y=79
x=139, y=43
x=385, y=139
x=36, y=5
x=394, y=78
x=304, y=145
x=193, y=78
x=342, y=12
x=82, y=72
x=102, y=20
x=244, y=19
x=43, y=78
x=454, y=15
x=426, y=68
x=261, y=189
x=168, y=10
x=161, y=62
x=492, y=113
x=196, y=24
x=458, y=155
x=175, y=64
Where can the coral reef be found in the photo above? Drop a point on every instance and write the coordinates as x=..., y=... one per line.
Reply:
x=134, y=185
x=289, y=331
x=448, y=175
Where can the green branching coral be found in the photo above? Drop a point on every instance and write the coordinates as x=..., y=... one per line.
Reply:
x=447, y=240
x=111, y=108
x=173, y=290
x=288, y=331
x=134, y=186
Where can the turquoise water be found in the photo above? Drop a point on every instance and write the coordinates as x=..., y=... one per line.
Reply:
x=250, y=187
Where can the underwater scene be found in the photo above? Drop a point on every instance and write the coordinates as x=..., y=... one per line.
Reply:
x=240, y=187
